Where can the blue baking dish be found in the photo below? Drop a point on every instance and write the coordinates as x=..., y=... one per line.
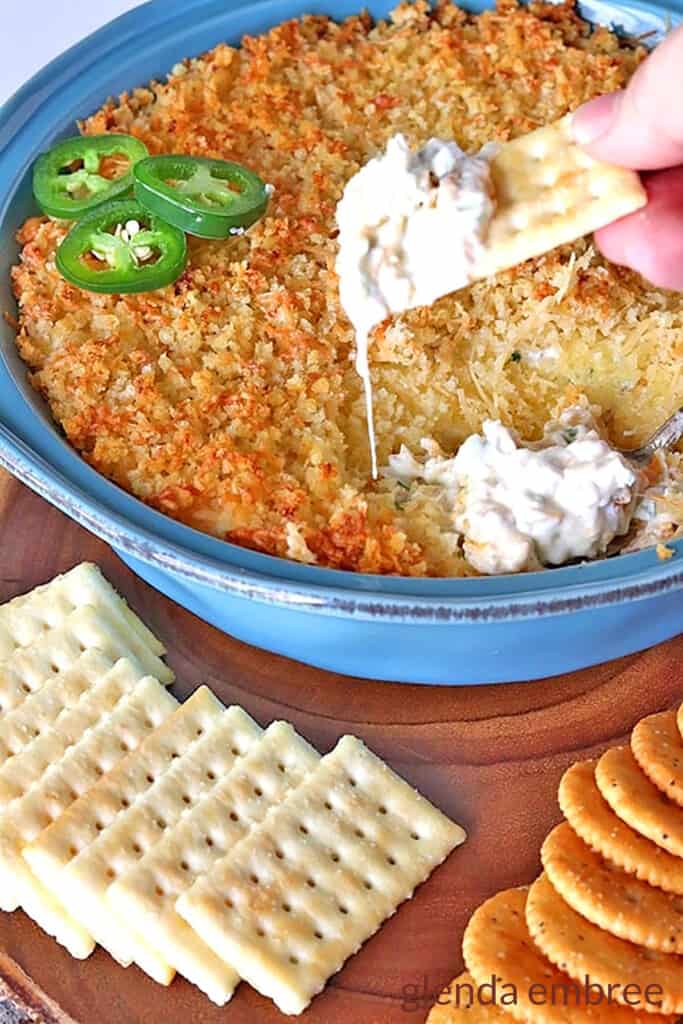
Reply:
x=428, y=631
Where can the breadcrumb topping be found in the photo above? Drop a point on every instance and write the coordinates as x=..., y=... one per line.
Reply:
x=229, y=400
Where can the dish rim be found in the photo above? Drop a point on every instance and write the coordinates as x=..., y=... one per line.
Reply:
x=129, y=525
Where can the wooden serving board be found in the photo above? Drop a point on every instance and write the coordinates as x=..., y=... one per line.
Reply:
x=489, y=756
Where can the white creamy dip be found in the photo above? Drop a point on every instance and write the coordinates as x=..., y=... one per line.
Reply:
x=520, y=508
x=411, y=226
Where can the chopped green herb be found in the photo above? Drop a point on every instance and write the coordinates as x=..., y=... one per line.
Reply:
x=570, y=434
x=401, y=500
x=516, y=357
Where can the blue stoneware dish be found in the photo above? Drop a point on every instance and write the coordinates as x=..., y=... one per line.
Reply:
x=428, y=631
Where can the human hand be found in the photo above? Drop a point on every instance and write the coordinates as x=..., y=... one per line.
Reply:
x=641, y=127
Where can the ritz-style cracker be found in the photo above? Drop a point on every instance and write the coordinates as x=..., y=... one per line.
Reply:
x=593, y=819
x=498, y=942
x=580, y=948
x=638, y=802
x=619, y=903
x=657, y=746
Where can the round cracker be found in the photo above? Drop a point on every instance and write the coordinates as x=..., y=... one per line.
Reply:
x=581, y=949
x=611, y=899
x=478, y=1013
x=658, y=748
x=638, y=802
x=497, y=944
x=595, y=822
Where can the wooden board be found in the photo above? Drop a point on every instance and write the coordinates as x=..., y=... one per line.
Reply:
x=489, y=756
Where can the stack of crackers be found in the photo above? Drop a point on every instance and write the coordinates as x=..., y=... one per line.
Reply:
x=599, y=935
x=183, y=837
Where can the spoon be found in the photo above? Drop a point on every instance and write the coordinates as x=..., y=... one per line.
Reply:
x=666, y=437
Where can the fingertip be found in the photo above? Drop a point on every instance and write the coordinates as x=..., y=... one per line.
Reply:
x=640, y=126
x=594, y=119
x=650, y=241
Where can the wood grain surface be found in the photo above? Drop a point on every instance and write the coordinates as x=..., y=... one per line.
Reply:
x=489, y=756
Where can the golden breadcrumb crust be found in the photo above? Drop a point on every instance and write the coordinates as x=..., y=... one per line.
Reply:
x=229, y=400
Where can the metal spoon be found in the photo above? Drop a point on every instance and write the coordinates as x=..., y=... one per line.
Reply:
x=668, y=435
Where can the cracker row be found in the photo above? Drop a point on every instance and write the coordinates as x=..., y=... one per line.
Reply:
x=497, y=943
x=607, y=896
x=581, y=949
x=39, y=709
x=146, y=894
x=140, y=709
x=25, y=618
x=127, y=813
x=19, y=772
x=595, y=822
x=306, y=888
x=638, y=802
x=27, y=669
x=657, y=746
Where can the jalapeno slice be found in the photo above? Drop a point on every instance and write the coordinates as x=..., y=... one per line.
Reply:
x=208, y=198
x=82, y=172
x=119, y=248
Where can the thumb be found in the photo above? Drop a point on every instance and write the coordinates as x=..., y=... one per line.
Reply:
x=640, y=127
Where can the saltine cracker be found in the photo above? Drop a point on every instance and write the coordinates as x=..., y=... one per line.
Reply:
x=127, y=813
x=141, y=707
x=305, y=889
x=147, y=893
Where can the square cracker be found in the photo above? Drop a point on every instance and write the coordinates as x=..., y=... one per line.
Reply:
x=127, y=812
x=131, y=708
x=41, y=709
x=25, y=618
x=57, y=650
x=20, y=772
x=550, y=192
x=147, y=893
x=303, y=891
x=37, y=710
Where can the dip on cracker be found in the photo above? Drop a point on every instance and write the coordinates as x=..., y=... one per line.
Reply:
x=414, y=227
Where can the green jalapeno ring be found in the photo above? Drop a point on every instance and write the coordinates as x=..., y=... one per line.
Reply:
x=120, y=261
x=67, y=193
x=205, y=197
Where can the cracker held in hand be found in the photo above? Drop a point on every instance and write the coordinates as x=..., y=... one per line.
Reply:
x=658, y=748
x=581, y=949
x=611, y=899
x=638, y=802
x=497, y=944
x=26, y=618
x=595, y=822
x=50, y=778
x=306, y=888
x=146, y=894
x=127, y=813
x=549, y=192
x=459, y=1004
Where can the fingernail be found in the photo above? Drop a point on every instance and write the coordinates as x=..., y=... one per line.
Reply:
x=595, y=118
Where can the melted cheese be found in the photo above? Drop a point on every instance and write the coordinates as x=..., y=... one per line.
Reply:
x=410, y=229
x=520, y=508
